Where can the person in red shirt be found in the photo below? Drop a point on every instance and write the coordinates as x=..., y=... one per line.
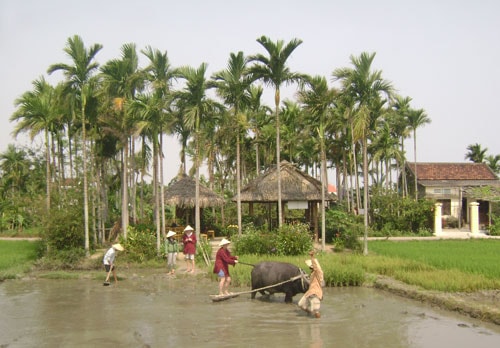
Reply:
x=189, y=241
x=223, y=259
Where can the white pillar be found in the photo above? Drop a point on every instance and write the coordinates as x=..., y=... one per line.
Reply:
x=474, y=218
x=437, y=219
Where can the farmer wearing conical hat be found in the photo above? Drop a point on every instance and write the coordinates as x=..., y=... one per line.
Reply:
x=223, y=259
x=189, y=241
x=109, y=261
x=171, y=250
x=311, y=301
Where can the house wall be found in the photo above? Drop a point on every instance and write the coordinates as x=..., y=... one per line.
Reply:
x=446, y=193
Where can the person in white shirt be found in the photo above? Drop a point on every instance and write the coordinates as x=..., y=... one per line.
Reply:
x=109, y=262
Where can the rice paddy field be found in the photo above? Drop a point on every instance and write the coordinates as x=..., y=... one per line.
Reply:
x=16, y=257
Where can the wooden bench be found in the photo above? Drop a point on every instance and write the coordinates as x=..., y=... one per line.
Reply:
x=211, y=234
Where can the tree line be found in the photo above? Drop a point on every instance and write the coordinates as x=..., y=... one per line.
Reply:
x=103, y=128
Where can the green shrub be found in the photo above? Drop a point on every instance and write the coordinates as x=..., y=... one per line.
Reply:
x=398, y=215
x=343, y=229
x=140, y=245
x=294, y=239
x=494, y=227
x=63, y=228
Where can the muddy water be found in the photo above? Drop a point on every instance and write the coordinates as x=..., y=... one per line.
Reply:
x=158, y=311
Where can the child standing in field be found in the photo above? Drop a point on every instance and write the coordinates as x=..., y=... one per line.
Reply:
x=171, y=250
x=189, y=241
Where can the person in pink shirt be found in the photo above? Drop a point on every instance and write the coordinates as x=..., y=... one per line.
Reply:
x=189, y=241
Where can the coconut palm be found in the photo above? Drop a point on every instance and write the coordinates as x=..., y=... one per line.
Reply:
x=258, y=117
x=148, y=109
x=121, y=79
x=400, y=129
x=78, y=76
x=365, y=88
x=494, y=163
x=476, y=153
x=38, y=112
x=193, y=101
x=318, y=100
x=160, y=75
x=273, y=70
x=233, y=85
x=416, y=119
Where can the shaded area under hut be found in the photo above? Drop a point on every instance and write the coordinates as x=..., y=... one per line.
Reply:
x=298, y=191
x=181, y=193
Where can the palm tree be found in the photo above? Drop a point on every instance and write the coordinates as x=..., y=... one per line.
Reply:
x=365, y=88
x=416, y=119
x=476, y=153
x=233, y=87
x=318, y=101
x=37, y=112
x=78, y=76
x=196, y=106
x=147, y=110
x=273, y=71
x=258, y=117
x=160, y=75
x=399, y=127
x=15, y=168
x=121, y=80
x=494, y=163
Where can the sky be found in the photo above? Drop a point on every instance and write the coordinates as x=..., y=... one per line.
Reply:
x=444, y=54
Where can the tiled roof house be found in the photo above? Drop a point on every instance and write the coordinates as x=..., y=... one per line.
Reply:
x=450, y=184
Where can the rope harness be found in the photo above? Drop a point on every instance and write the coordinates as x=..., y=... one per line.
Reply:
x=302, y=275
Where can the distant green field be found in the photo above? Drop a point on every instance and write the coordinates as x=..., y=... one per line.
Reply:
x=16, y=257
x=474, y=256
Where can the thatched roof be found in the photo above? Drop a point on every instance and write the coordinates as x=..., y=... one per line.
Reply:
x=295, y=186
x=182, y=193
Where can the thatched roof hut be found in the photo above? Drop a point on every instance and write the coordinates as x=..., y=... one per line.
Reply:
x=182, y=194
x=295, y=186
x=298, y=189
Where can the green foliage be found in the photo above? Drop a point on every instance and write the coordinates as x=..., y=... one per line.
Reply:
x=494, y=227
x=62, y=259
x=343, y=229
x=294, y=239
x=393, y=214
x=201, y=248
x=16, y=257
x=140, y=245
x=63, y=228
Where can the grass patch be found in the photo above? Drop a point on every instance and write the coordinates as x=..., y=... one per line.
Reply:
x=16, y=257
x=444, y=265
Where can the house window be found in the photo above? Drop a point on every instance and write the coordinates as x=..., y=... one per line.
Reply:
x=446, y=206
x=437, y=190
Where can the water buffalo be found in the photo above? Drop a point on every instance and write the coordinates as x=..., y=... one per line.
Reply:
x=268, y=273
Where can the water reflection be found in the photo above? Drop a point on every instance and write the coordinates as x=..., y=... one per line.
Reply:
x=157, y=311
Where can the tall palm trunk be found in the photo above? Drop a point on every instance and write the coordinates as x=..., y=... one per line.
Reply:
x=85, y=184
x=365, y=195
x=238, y=180
x=47, y=164
x=415, y=160
x=125, y=217
x=278, y=160
x=162, y=195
